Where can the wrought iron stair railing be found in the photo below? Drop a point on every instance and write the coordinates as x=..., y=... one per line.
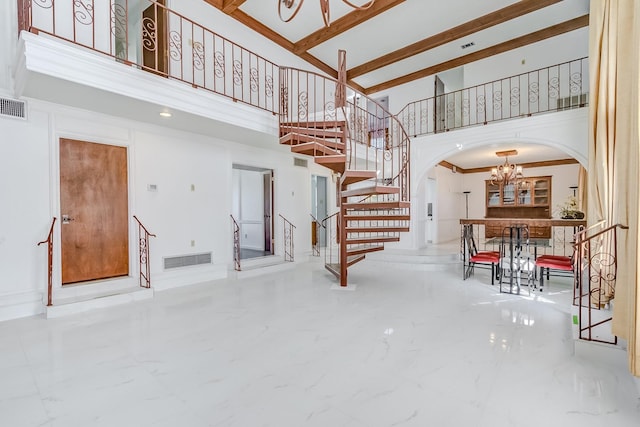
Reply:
x=236, y=244
x=143, y=254
x=361, y=141
x=287, y=239
x=596, y=267
x=49, y=242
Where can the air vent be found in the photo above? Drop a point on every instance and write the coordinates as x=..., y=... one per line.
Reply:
x=300, y=162
x=187, y=260
x=467, y=45
x=575, y=101
x=13, y=108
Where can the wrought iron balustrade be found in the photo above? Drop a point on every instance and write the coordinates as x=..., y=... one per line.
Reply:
x=148, y=35
x=556, y=88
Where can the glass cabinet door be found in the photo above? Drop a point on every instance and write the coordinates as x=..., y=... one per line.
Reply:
x=541, y=192
x=508, y=195
x=524, y=193
x=493, y=194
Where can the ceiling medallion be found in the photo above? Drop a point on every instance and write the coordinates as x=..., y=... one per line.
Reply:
x=507, y=173
x=294, y=7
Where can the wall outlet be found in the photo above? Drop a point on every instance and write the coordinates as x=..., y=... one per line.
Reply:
x=193, y=243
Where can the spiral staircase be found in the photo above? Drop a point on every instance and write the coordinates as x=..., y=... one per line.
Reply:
x=368, y=151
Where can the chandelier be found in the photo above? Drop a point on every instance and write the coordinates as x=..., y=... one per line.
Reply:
x=294, y=7
x=507, y=173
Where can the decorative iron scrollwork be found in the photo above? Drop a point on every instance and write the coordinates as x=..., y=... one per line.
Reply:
x=497, y=100
x=45, y=4
x=268, y=86
x=303, y=105
x=254, y=83
x=515, y=96
x=218, y=64
x=149, y=34
x=575, y=83
x=83, y=12
x=175, y=46
x=198, y=56
x=554, y=87
x=534, y=92
x=237, y=72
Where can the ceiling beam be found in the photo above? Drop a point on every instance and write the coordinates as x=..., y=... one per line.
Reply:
x=215, y=3
x=489, y=20
x=229, y=6
x=343, y=24
x=526, y=166
x=527, y=39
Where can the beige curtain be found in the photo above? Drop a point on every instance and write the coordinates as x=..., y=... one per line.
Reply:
x=614, y=139
x=582, y=189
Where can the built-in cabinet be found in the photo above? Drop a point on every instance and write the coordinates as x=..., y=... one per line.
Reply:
x=526, y=198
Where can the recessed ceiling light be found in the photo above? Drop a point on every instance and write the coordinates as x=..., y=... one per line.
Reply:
x=165, y=114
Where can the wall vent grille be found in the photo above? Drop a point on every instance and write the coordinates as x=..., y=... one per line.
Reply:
x=186, y=260
x=300, y=162
x=13, y=108
x=575, y=101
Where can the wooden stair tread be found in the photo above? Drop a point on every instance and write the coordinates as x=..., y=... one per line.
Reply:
x=377, y=205
x=377, y=229
x=335, y=162
x=371, y=189
x=299, y=139
x=313, y=149
x=371, y=239
x=320, y=124
x=353, y=176
x=316, y=132
x=378, y=217
x=359, y=250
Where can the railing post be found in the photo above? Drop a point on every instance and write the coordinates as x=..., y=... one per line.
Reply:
x=143, y=247
x=49, y=242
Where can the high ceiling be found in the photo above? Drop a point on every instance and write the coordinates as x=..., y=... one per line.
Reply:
x=397, y=41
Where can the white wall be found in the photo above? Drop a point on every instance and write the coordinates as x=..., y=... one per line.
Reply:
x=193, y=200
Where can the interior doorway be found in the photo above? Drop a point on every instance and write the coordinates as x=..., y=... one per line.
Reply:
x=94, y=211
x=253, y=210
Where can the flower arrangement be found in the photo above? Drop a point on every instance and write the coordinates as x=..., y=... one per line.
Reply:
x=569, y=210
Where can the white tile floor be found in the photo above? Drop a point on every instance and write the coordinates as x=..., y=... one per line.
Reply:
x=407, y=348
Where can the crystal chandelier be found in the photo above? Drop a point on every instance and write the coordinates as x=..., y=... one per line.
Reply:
x=294, y=7
x=507, y=173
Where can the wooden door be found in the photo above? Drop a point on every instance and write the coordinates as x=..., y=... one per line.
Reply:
x=94, y=211
x=154, y=38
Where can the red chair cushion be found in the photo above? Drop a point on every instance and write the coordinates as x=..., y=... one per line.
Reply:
x=555, y=258
x=486, y=257
x=554, y=264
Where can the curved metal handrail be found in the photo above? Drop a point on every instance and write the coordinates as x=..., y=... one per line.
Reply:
x=375, y=138
x=49, y=242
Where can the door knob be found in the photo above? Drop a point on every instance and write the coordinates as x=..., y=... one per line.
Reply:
x=66, y=219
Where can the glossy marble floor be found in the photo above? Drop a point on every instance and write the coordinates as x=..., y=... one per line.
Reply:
x=406, y=348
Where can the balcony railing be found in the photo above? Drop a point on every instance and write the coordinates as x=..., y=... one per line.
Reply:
x=554, y=88
x=152, y=37
x=146, y=34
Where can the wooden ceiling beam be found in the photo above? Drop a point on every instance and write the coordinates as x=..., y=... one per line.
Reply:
x=554, y=30
x=343, y=24
x=230, y=6
x=525, y=166
x=513, y=11
x=215, y=3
